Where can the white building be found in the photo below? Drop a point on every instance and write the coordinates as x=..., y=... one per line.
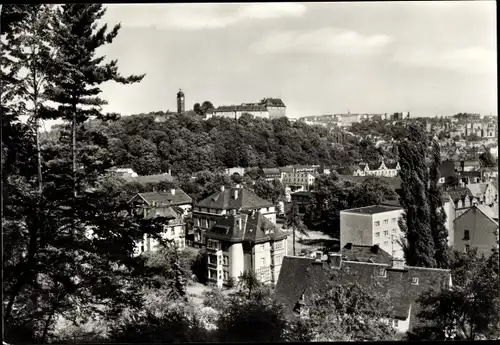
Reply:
x=372, y=225
x=382, y=169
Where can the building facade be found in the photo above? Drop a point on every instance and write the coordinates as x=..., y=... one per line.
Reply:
x=302, y=179
x=267, y=108
x=382, y=169
x=173, y=205
x=373, y=225
x=477, y=228
x=243, y=242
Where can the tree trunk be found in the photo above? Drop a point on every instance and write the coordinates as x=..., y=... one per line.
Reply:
x=49, y=320
x=293, y=239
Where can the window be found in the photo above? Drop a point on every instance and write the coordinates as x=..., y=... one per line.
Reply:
x=394, y=230
x=467, y=248
x=377, y=234
x=262, y=262
x=414, y=281
x=226, y=260
x=382, y=272
x=212, y=259
x=386, y=221
x=377, y=223
x=226, y=275
x=212, y=274
x=396, y=323
x=386, y=232
x=278, y=245
x=386, y=243
x=394, y=220
x=262, y=246
x=466, y=235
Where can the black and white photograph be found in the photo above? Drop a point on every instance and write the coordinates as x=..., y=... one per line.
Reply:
x=249, y=172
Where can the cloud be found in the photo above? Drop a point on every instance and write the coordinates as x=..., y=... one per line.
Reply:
x=326, y=40
x=198, y=16
x=475, y=60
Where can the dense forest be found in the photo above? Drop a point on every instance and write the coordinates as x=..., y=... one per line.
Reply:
x=187, y=144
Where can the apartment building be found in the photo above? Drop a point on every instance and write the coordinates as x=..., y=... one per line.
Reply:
x=378, y=224
x=173, y=205
x=299, y=180
x=224, y=202
x=242, y=242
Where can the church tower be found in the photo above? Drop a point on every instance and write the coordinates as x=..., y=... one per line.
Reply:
x=180, y=102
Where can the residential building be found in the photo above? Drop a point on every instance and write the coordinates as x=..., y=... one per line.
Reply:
x=477, y=228
x=226, y=201
x=271, y=174
x=302, y=277
x=470, y=165
x=173, y=205
x=378, y=224
x=144, y=179
x=237, y=170
x=462, y=199
x=242, y=242
x=467, y=177
x=301, y=179
x=382, y=169
x=266, y=108
x=484, y=193
x=489, y=174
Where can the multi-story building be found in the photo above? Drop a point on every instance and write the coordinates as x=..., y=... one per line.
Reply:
x=271, y=174
x=462, y=199
x=302, y=277
x=266, y=108
x=372, y=225
x=173, y=205
x=302, y=180
x=303, y=200
x=226, y=201
x=477, y=228
x=382, y=169
x=242, y=242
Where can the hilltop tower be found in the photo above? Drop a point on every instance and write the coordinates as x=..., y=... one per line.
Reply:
x=180, y=102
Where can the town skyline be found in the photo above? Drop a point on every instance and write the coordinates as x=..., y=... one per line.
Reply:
x=420, y=55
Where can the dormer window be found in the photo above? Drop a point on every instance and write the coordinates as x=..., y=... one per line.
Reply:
x=382, y=272
x=414, y=281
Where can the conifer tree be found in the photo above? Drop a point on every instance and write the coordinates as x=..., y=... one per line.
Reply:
x=418, y=244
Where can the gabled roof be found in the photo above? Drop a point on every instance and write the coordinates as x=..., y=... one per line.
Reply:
x=225, y=200
x=273, y=102
x=164, y=198
x=304, y=276
x=247, y=226
x=391, y=165
x=170, y=212
x=477, y=189
x=457, y=194
x=485, y=210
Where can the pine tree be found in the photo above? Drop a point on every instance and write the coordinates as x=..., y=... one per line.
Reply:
x=418, y=245
x=438, y=215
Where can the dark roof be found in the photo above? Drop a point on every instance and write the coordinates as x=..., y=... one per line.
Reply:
x=374, y=209
x=373, y=254
x=457, y=194
x=152, y=178
x=447, y=168
x=302, y=193
x=271, y=171
x=304, y=276
x=165, y=197
x=246, y=200
x=170, y=212
x=241, y=107
x=470, y=174
x=391, y=165
x=247, y=226
x=273, y=102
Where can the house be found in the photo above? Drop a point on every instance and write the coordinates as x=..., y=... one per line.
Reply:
x=302, y=180
x=484, y=193
x=303, y=200
x=271, y=174
x=382, y=169
x=266, y=108
x=226, y=201
x=489, y=173
x=378, y=224
x=470, y=165
x=174, y=205
x=477, y=228
x=237, y=170
x=467, y=177
x=244, y=241
x=462, y=199
x=301, y=277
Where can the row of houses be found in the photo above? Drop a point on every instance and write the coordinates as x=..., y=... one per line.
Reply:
x=347, y=120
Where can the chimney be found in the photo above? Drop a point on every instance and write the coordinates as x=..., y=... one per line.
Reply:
x=335, y=260
x=398, y=263
x=222, y=188
x=172, y=191
x=374, y=249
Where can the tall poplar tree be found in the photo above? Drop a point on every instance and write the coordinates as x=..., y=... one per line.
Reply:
x=418, y=244
x=437, y=213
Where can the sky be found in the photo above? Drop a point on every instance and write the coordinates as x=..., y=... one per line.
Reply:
x=428, y=58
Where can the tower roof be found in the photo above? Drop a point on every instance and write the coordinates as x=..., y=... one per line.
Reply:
x=180, y=93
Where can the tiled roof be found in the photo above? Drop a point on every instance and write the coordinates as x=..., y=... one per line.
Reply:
x=247, y=226
x=488, y=211
x=459, y=194
x=273, y=102
x=165, y=197
x=246, y=200
x=271, y=171
x=374, y=209
x=391, y=165
x=303, y=276
x=171, y=212
x=241, y=107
